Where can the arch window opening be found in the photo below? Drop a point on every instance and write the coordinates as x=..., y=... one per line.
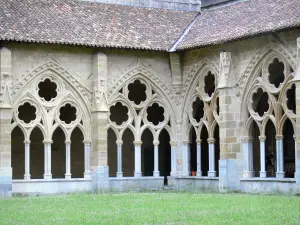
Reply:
x=270, y=148
x=147, y=154
x=47, y=90
x=217, y=149
x=17, y=153
x=256, y=148
x=77, y=153
x=58, y=154
x=289, y=150
x=276, y=71
x=37, y=154
x=128, y=153
x=164, y=151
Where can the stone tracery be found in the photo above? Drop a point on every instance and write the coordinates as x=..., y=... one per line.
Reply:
x=271, y=100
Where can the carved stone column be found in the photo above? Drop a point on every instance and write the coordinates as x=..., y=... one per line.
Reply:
x=247, y=147
x=279, y=156
x=229, y=113
x=186, y=158
x=173, y=158
x=99, y=111
x=137, y=159
x=262, y=172
x=119, y=158
x=5, y=123
x=68, y=160
x=156, y=161
x=27, y=160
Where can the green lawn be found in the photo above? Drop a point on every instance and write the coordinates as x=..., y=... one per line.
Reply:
x=152, y=208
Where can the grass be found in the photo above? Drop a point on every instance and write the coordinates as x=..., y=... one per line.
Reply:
x=152, y=208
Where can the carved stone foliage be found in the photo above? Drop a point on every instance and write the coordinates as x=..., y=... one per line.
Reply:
x=137, y=105
x=271, y=96
x=47, y=99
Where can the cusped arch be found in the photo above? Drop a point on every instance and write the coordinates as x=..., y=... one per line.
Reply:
x=282, y=122
x=129, y=127
x=265, y=122
x=57, y=126
x=38, y=126
x=252, y=71
x=116, y=132
x=143, y=129
x=191, y=84
x=25, y=134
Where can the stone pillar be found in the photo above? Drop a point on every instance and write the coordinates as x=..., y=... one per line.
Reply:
x=27, y=159
x=211, y=157
x=247, y=147
x=279, y=157
x=87, y=159
x=186, y=158
x=199, y=172
x=297, y=129
x=137, y=159
x=262, y=172
x=229, y=127
x=156, y=162
x=5, y=124
x=173, y=158
x=99, y=111
x=119, y=156
x=47, y=159
x=68, y=160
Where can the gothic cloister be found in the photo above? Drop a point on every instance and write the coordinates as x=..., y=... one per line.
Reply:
x=221, y=117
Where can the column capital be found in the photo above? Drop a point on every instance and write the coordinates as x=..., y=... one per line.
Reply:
x=156, y=143
x=27, y=141
x=246, y=139
x=185, y=142
x=211, y=140
x=199, y=141
x=279, y=137
x=68, y=142
x=173, y=143
x=262, y=138
x=119, y=142
x=138, y=142
x=87, y=141
x=47, y=141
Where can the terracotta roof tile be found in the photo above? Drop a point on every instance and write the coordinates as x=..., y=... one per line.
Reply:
x=91, y=24
x=240, y=20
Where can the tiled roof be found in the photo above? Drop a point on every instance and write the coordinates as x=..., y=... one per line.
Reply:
x=91, y=24
x=106, y=25
x=240, y=20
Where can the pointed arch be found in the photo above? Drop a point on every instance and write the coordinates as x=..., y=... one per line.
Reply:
x=17, y=152
x=77, y=153
x=193, y=80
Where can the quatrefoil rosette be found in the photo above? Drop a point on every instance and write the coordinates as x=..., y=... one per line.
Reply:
x=126, y=123
x=165, y=114
x=78, y=114
x=191, y=111
x=252, y=103
x=41, y=82
x=32, y=123
x=148, y=92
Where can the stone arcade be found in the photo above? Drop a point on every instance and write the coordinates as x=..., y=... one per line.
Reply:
x=115, y=97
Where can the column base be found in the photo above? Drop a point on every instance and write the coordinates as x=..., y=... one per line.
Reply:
x=199, y=174
x=263, y=174
x=119, y=174
x=173, y=173
x=68, y=176
x=248, y=174
x=137, y=174
x=47, y=176
x=280, y=175
x=212, y=174
x=27, y=176
x=156, y=173
x=87, y=175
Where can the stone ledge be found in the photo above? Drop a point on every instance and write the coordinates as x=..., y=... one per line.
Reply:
x=135, y=178
x=51, y=180
x=197, y=178
x=256, y=179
